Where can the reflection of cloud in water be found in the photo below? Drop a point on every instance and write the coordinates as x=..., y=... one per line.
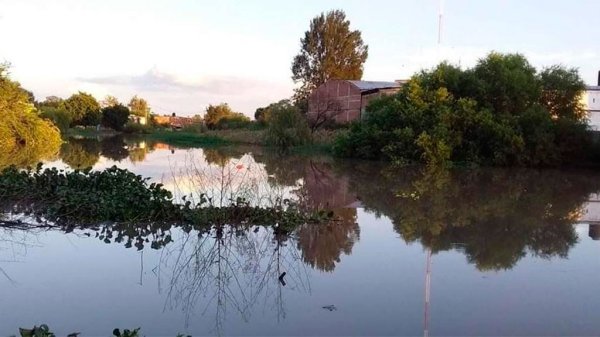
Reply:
x=225, y=181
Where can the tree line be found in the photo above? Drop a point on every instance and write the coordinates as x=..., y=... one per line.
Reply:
x=82, y=109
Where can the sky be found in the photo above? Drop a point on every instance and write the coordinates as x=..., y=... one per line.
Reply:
x=184, y=55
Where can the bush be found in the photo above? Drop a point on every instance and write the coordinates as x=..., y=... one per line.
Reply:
x=194, y=128
x=287, y=127
x=115, y=116
x=132, y=127
x=235, y=121
x=59, y=116
x=25, y=137
x=498, y=113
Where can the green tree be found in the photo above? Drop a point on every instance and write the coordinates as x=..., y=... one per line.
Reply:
x=215, y=113
x=501, y=112
x=329, y=50
x=115, y=116
x=52, y=101
x=139, y=106
x=562, y=90
x=109, y=101
x=58, y=115
x=25, y=137
x=83, y=108
x=505, y=83
x=287, y=126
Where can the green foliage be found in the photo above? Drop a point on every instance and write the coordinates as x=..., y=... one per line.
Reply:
x=109, y=101
x=186, y=139
x=118, y=196
x=59, y=116
x=25, y=138
x=115, y=116
x=52, y=101
x=83, y=108
x=287, y=127
x=133, y=128
x=220, y=116
x=561, y=93
x=80, y=153
x=139, y=107
x=235, y=121
x=493, y=216
x=329, y=50
x=501, y=112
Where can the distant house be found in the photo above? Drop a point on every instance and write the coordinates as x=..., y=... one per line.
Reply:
x=591, y=101
x=173, y=121
x=344, y=100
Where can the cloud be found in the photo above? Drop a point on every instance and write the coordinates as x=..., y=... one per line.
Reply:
x=155, y=80
x=170, y=93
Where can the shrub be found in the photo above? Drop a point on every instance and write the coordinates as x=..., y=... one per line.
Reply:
x=500, y=113
x=25, y=137
x=59, y=116
x=235, y=121
x=132, y=127
x=115, y=116
x=287, y=127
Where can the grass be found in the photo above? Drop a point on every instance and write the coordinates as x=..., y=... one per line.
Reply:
x=186, y=139
x=321, y=144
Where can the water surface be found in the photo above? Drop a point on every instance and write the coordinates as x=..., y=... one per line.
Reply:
x=465, y=252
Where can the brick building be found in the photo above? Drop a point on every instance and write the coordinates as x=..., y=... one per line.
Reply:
x=345, y=100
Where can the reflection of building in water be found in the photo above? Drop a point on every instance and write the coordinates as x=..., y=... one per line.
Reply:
x=326, y=189
x=590, y=215
x=591, y=210
x=594, y=231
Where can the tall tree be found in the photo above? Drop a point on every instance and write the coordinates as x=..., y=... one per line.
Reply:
x=115, y=117
x=562, y=92
x=25, y=138
x=83, y=108
x=109, y=101
x=139, y=106
x=218, y=113
x=329, y=50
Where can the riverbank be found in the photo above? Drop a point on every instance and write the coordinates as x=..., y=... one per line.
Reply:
x=322, y=140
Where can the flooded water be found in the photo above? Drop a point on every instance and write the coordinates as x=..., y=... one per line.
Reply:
x=412, y=252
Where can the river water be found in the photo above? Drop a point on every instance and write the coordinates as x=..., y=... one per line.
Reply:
x=412, y=252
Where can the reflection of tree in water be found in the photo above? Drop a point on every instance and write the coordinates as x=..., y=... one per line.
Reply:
x=322, y=245
x=495, y=216
x=322, y=188
x=217, y=157
x=84, y=153
x=23, y=156
x=231, y=270
x=114, y=148
x=80, y=153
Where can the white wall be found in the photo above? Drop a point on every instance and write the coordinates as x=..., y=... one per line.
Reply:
x=591, y=99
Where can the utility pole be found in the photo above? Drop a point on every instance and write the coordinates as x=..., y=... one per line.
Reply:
x=440, y=22
x=427, y=294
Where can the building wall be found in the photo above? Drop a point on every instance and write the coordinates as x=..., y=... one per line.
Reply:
x=343, y=100
x=591, y=100
x=337, y=97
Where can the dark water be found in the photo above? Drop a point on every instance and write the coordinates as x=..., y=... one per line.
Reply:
x=412, y=252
